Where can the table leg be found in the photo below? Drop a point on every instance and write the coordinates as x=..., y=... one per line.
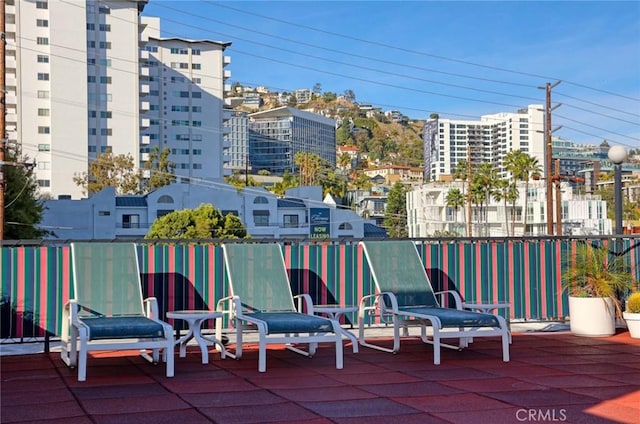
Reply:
x=200, y=340
x=347, y=333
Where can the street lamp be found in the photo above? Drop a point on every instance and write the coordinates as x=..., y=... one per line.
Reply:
x=617, y=155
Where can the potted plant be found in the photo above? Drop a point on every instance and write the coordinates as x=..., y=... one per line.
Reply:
x=632, y=315
x=594, y=277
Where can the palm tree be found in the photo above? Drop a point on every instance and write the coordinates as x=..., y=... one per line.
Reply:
x=344, y=161
x=455, y=199
x=460, y=172
x=523, y=167
x=485, y=179
x=506, y=192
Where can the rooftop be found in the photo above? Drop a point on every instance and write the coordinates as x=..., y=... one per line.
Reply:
x=552, y=376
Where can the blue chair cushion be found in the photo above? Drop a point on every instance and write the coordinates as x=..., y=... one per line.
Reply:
x=122, y=327
x=293, y=322
x=450, y=317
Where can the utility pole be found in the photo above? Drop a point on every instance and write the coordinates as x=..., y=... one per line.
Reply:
x=469, y=209
x=558, y=199
x=548, y=155
x=3, y=135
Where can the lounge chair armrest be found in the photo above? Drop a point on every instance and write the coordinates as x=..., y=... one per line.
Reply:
x=308, y=303
x=376, y=301
x=225, y=305
x=151, y=308
x=455, y=294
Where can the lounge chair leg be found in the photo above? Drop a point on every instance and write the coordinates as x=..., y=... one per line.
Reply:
x=262, y=354
x=436, y=347
x=506, y=340
x=170, y=358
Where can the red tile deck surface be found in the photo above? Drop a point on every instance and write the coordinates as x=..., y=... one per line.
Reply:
x=552, y=377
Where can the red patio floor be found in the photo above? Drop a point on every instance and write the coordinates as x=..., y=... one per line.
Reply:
x=552, y=377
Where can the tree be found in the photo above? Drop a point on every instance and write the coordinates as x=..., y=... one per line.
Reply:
x=161, y=169
x=288, y=181
x=455, y=199
x=308, y=164
x=108, y=170
x=349, y=95
x=344, y=161
x=22, y=209
x=317, y=88
x=460, y=172
x=523, y=167
x=395, y=215
x=204, y=222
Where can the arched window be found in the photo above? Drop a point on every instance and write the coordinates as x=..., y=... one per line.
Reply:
x=165, y=199
x=345, y=226
x=260, y=200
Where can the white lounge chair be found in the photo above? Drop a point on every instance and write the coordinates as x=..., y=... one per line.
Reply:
x=261, y=300
x=405, y=296
x=107, y=312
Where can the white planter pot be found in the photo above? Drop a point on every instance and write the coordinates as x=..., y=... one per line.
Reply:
x=633, y=323
x=592, y=316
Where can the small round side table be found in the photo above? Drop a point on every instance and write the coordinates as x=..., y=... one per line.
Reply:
x=195, y=319
x=335, y=312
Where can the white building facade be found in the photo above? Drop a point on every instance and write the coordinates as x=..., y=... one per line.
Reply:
x=301, y=214
x=428, y=213
x=449, y=141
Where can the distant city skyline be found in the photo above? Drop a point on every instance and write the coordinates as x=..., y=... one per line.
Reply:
x=459, y=59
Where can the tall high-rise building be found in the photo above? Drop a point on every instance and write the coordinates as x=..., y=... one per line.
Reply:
x=449, y=141
x=182, y=84
x=79, y=82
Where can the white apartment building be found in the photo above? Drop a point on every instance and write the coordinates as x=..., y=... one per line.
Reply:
x=69, y=72
x=448, y=141
x=182, y=84
x=428, y=213
x=72, y=69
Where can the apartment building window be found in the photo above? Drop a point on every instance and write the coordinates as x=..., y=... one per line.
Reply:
x=178, y=79
x=182, y=137
x=91, y=44
x=196, y=80
x=196, y=109
x=105, y=80
x=93, y=131
x=91, y=78
x=154, y=107
x=42, y=5
x=152, y=49
x=105, y=27
x=44, y=147
x=43, y=41
x=106, y=114
x=154, y=122
x=105, y=62
x=154, y=92
x=179, y=65
x=177, y=50
x=44, y=165
x=290, y=221
x=43, y=112
x=178, y=108
x=91, y=61
x=92, y=149
x=130, y=221
x=105, y=45
x=44, y=130
x=196, y=95
x=42, y=23
x=106, y=131
x=105, y=149
x=261, y=218
x=91, y=27
x=196, y=66
x=43, y=58
x=43, y=76
x=197, y=166
x=197, y=152
x=195, y=52
x=105, y=10
x=44, y=183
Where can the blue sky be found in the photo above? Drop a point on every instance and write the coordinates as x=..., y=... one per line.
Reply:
x=459, y=59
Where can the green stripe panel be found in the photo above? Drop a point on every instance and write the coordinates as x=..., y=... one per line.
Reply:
x=36, y=281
